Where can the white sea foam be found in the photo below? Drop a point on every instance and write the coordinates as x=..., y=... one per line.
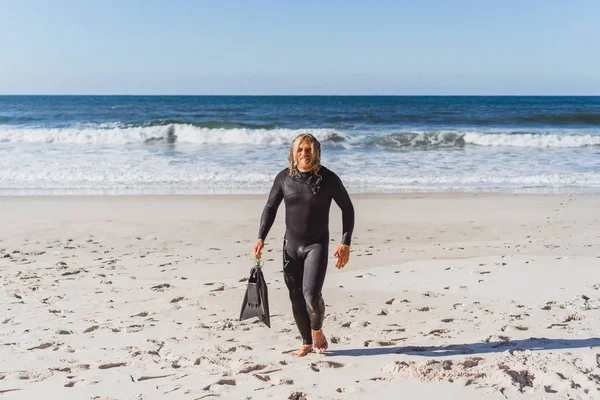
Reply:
x=84, y=135
x=586, y=179
x=531, y=140
x=492, y=138
x=188, y=182
x=227, y=165
x=117, y=134
x=140, y=171
x=181, y=133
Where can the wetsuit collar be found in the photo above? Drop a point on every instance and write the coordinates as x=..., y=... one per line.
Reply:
x=309, y=178
x=305, y=174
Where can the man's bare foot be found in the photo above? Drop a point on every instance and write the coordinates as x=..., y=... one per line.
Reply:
x=304, y=350
x=319, y=341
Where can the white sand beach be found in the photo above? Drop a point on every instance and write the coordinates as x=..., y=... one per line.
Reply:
x=464, y=296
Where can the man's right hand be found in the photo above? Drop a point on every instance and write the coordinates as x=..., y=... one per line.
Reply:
x=257, y=248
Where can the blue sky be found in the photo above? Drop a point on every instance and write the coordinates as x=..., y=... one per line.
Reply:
x=310, y=47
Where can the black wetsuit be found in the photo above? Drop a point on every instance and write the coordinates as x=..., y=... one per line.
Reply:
x=305, y=247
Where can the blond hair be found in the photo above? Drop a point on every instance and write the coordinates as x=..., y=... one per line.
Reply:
x=315, y=163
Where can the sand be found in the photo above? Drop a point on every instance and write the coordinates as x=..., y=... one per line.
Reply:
x=446, y=296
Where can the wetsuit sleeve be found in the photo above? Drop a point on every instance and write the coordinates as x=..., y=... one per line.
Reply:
x=342, y=199
x=270, y=210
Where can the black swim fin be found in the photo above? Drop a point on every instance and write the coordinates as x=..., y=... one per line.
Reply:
x=256, y=299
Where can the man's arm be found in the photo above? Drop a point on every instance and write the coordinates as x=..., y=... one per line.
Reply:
x=270, y=210
x=268, y=215
x=342, y=199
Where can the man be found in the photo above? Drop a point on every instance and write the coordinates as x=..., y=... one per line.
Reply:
x=307, y=188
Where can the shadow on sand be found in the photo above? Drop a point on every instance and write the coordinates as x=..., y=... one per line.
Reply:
x=473, y=348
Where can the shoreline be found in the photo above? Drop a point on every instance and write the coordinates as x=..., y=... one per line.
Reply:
x=266, y=193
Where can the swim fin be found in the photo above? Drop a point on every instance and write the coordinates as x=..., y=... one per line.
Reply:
x=256, y=299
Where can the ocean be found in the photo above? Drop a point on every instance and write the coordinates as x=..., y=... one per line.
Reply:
x=91, y=145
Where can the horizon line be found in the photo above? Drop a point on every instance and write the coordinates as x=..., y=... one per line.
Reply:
x=306, y=95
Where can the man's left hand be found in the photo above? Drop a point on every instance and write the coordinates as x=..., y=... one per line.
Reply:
x=342, y=252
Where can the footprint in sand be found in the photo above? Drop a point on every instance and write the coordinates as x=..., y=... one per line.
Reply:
x=387, y=343
x=521, y=378
x=145, y=378
x=252, y=368
x=142, y=314
x=438, y=332
x=42, y=346
x=264, y=378
x=521, y=328
x=471, y=362
x=296, y=395
x=574, y=317
x=161, y=287
x=111, y=365
x=228, y=382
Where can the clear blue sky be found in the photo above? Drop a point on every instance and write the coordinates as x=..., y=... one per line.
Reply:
x=300, y=47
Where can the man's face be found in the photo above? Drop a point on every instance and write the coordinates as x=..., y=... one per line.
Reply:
x=304, y=156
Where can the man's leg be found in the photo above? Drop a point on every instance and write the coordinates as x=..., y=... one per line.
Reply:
x=293, y=269
x=315, y=269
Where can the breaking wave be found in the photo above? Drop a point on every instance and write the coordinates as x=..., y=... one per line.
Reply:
x=118, y=134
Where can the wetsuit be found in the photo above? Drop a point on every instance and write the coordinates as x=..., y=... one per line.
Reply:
x=306, y=244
